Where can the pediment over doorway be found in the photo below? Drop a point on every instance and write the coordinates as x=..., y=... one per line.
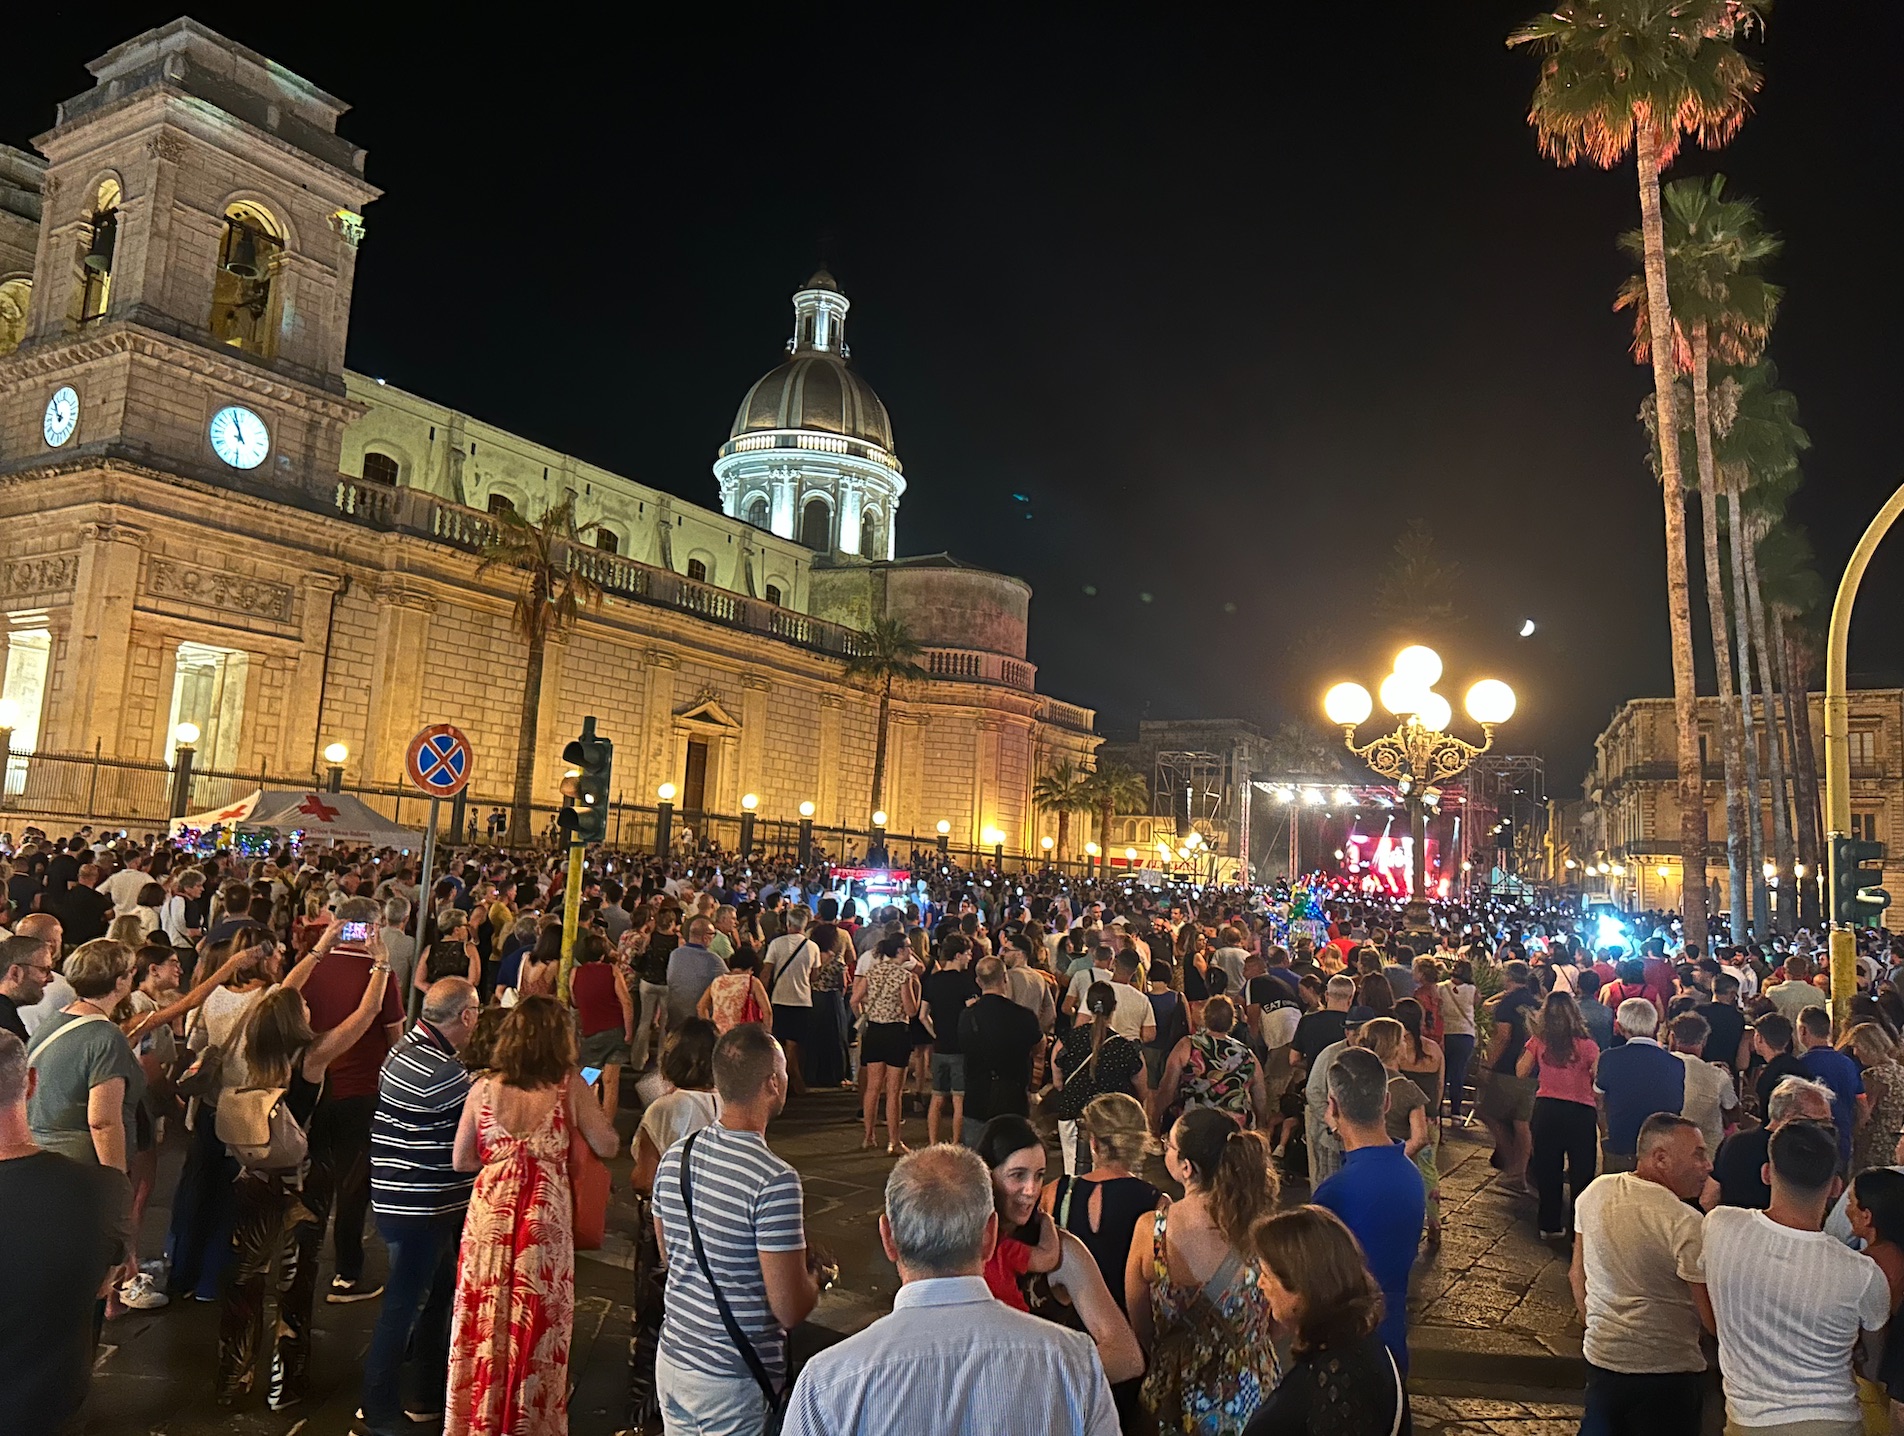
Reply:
x=707, y=713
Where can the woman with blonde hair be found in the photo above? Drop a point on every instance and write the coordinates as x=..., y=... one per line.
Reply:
x=1875, y=1141
x=1408, y=1120
x=515, y=1276
x=1101, y=1206
x=1342, y=1380
x=1190, y=1281
x=281, y=1052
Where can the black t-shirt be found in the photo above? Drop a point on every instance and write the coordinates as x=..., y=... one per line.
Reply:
x=53, y=1278
x=23, y=889
x=1739, y=1169
x=1516, y=1010
x=1728, y=1027
x=62, y=872
x=654, y=962
x=1774, y=1072
x=1289, y=984
x=946, y=991
x=81, y=911
x=998, y=1037
x=1319, y=1029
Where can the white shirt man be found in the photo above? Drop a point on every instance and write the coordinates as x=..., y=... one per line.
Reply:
x=1637, y=1282
x=789, y=963
x=1789, y=1300
x=949, y=1348
x=124, y=886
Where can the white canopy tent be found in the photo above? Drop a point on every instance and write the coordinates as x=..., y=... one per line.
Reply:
x=319, y=817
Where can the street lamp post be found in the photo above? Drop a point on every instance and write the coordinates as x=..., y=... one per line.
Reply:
x=335, y=755
x=876, y=855
x=806, y=833
x=664, y=819
x=184, y=740
x=945, y=839
x=1420, y=753
x=748, y=802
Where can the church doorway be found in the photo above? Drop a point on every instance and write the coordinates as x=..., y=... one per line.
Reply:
x=816, y=526
x=694, y=790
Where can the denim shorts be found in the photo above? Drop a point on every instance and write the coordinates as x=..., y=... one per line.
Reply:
x=948, y=1073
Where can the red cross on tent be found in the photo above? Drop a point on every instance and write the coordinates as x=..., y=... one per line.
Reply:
x=236, y=810
x=318, y=809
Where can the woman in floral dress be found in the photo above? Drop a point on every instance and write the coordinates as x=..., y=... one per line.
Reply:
x=1212, y=1068
x=1191, y=1285
x=515, y=1277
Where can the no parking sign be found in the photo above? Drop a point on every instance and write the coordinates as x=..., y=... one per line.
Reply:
x=439, y=761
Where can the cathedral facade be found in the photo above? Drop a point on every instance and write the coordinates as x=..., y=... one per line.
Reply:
x=206, y=519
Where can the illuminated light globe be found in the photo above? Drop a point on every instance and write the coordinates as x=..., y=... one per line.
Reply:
x=879, y=818
x=750, y=801
x=1434, y=714
x=666, y=792
x=1420, y=663
x=336, y=753
x=1130, y=855
x=806, y=809
x=1490, y=701
x=944, y=827
x=1348, y=704
x=1402, y=694
x=185, y=734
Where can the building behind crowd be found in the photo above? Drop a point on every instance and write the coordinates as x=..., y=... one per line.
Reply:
x=207, y=519
x=1629, y=819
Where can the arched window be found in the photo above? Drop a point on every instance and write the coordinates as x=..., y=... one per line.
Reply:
x=97, y=241
x=757, y=511
x=872, y=542
x=697, y=570
x=245, y=312
x=381, y=468
x=773, y=595
x=501, y=504
x=607, y=541
x=816, y=525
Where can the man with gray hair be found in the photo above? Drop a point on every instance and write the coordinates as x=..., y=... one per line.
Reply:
x=950, y=1360
x=402, y=950
x=66, y=1217
x=1738, y=1171
x=788, y=978
x=692, y=968
x=1633, y=1082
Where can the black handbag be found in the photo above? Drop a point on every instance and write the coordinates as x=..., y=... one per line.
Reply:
x=776, y=1400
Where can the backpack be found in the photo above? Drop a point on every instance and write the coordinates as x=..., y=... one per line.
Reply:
x=257, y=1124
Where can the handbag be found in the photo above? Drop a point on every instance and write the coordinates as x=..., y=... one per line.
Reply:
x=201, y=1079
x=588, y=1192
x=776, y=1400
x=257, y=1124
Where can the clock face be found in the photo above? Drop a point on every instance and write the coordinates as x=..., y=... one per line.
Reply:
x=62, y=417
x=239, y=437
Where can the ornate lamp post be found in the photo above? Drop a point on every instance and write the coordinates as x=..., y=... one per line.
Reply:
x=1420, y=753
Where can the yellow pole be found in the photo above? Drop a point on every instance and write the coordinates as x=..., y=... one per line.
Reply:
x=571, y=902
x=1844, y=943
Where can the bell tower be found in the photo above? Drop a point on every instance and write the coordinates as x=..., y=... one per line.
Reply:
x=197, y=246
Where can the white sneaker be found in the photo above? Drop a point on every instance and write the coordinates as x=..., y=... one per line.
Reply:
x=143, y=1294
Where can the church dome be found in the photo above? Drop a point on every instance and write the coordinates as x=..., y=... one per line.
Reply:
x=815, y=390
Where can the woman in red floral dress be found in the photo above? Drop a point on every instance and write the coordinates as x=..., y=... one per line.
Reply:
x=515, y=1277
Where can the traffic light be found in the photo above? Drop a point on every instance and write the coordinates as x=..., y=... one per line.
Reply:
x=592, y=757
x=1855, y=894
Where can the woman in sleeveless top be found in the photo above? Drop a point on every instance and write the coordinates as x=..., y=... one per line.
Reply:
x=280, y=1050
x=886, y=997
x=1212, y=1068
x=736, y=996
x=1190, y=1284
x=515, y=1275
x=1102, y=1206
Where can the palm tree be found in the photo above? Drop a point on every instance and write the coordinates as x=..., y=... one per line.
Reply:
x=1064, y=789
x=1111, y=786
x=1641, y=75
x=886, y=655
x=1794, y=592
x=550, y=601
x=1758, y=440
x=1720, y=304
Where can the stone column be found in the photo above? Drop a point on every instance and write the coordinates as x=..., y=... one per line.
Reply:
x=826, y=798
x=651, y=770
x=549, y=743
x=985, y=778
x=754, y=695
x=396, y=680
x=100, y=639
x=298, y=736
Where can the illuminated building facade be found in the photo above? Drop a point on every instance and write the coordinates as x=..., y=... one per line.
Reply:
x=206, y=518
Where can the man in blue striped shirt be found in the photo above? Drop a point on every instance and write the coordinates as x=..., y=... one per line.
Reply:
x=419, y=1198
x=747, y=1207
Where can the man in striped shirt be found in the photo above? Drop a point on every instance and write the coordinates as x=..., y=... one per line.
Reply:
x=418, y=1197
x=747, y=1213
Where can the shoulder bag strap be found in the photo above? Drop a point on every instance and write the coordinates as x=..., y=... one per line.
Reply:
x=47, y=1041
x=734, y=1333
x=1401, y=1398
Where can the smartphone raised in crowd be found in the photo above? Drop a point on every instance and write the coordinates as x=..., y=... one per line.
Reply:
x=591, y=1075
x=354, y=932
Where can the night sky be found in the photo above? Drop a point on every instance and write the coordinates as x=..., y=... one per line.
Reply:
x=1227, y=296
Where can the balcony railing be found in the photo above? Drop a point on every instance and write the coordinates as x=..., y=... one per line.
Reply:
x=977, y=666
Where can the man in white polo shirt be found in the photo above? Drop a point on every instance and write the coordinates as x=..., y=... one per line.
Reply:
x=1788, y=1300
x=1637, y=1285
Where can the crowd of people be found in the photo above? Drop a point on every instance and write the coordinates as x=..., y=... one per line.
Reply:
x=331, y=1045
